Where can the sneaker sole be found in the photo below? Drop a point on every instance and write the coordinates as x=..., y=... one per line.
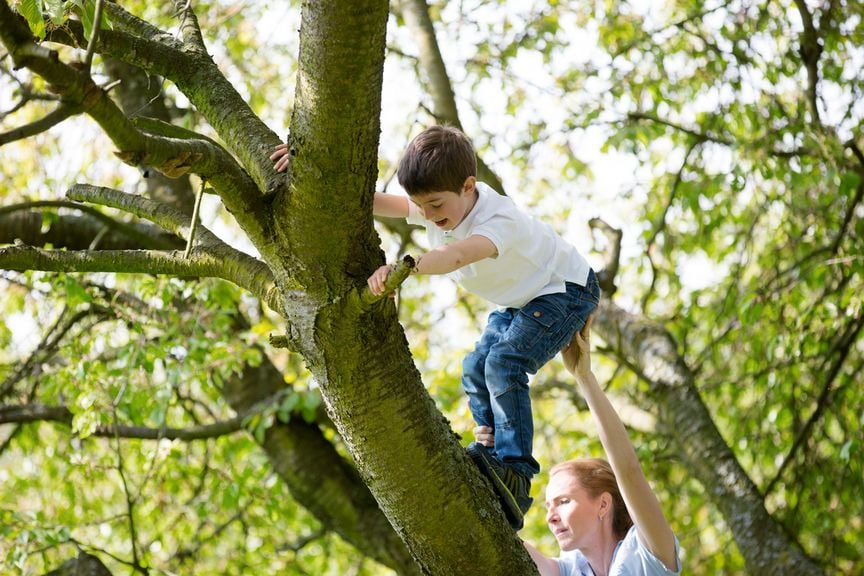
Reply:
x=505, y=497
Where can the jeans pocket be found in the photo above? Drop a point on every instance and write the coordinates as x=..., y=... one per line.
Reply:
x=535, y=321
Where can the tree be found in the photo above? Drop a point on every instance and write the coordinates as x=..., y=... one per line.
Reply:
x=681, y=354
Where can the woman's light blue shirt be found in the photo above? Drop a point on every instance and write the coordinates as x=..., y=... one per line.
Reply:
x=631, y=558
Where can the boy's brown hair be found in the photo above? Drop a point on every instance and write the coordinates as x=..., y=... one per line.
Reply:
x=438, y=159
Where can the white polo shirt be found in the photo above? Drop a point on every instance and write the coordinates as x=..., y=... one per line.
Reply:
x=532, y=259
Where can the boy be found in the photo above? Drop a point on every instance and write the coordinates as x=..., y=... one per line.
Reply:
x=545, y=288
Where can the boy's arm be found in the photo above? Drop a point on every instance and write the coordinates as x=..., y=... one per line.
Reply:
x=441, y=260
x=390, y=205
x=450, y=257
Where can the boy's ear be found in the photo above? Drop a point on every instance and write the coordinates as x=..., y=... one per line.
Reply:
x=469, y=184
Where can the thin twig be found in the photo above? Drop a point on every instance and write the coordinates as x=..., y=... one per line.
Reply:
x=194, y=225
x=130, y=508
x=91, y=45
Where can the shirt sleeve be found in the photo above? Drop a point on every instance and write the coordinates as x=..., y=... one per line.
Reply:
x=501, y=230
x=650, y=564
x=415, y=215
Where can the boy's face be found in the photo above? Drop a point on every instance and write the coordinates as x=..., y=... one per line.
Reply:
x=447, y=209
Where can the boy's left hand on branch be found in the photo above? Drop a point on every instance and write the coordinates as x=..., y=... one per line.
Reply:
x=377, y=279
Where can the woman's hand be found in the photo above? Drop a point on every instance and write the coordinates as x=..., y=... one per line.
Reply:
x=577, y=354
x=485, y=435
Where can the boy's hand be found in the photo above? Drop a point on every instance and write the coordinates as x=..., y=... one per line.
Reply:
x=485, y=435
x=377, y=279
x=281, y=157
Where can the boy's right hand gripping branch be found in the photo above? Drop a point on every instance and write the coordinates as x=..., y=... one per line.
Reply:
x=399, y=272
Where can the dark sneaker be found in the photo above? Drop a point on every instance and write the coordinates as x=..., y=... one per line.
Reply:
x=512, y=488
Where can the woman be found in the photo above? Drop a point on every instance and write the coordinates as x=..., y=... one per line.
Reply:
x=607, y=527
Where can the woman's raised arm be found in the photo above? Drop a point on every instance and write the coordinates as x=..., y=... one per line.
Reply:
x=653, y=529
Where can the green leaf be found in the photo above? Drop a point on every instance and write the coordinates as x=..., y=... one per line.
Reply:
x=287, y=406
x=88, y=17
x=75, y=293
x=55, y=11
x=31, y=10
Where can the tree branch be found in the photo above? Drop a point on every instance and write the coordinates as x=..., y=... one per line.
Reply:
x=77, y=232
x=709, y=137
x=28, y=413
x=49, y=344
x=660, y=225
x=160, y=214
x=91, y=44
x=236, y=266
x=189, y=28
x=84, y=564
x=250, y=139
x=810, y=51
x=56, y=116
x=652, y=353
x=611, y=255
x=129, y=23
x=204, y=263
x=400, y=272
x=133, y=233
x=843, y=349
x=188, y=552
x=130, y=501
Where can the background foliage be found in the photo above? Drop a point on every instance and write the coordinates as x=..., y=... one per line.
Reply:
x=702, y=130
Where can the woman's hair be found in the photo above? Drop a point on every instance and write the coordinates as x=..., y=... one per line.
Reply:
x=595, y=475
x=438, y=159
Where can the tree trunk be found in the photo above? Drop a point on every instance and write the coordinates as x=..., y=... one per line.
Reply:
x=403, y=448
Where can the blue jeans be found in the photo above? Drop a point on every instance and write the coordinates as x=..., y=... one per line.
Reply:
x=518, y=342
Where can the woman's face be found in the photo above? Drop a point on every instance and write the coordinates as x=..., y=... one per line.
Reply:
x=572, y=515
